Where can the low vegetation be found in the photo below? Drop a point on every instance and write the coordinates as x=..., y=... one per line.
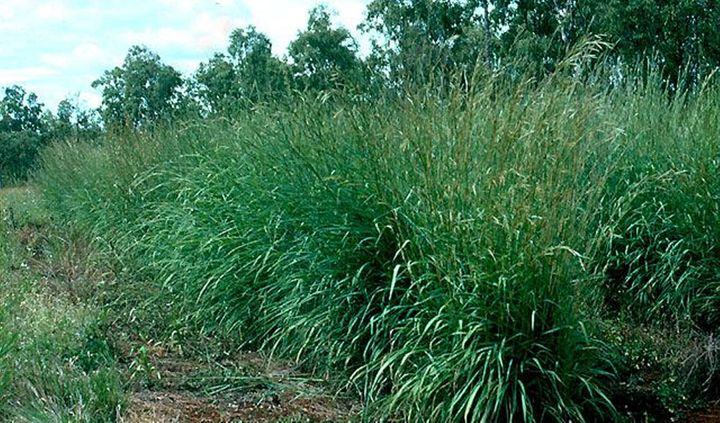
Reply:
x=55, y=364
x=537, y=251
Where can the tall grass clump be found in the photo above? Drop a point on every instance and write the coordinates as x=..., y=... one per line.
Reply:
x=455, y=251
x=434, y=245
x=659, y=264
x=663, y=258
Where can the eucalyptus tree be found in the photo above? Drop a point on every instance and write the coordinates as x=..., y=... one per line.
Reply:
x=260, y=75
x=325, y=56
x=420, y=36
x=140, y=91
x=20, y=111
x=681, y=35
x=217, y=84
x=23, y=132
x=246, y=74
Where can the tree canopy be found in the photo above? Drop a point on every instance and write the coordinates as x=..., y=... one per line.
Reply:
x=248, y=73
x=140, y=91
x=20, y=111
x=22, y=131
x=418, y=33
x=324, y=56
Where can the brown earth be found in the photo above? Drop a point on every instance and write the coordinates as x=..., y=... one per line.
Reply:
x=256, y=389
x=709, y=415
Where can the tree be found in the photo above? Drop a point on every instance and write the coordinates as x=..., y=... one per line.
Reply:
x=682, y=34
x=72, y=120
x=20, y=111
x=141, y=91
x=217, y=82
x=247, y=74
x=260, y=75
x=420, y=35
x=22, y=132
x=323, y=56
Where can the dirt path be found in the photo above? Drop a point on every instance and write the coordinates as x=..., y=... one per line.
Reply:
x=246, y=388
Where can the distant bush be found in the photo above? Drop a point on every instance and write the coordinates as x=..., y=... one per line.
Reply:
x=18, y=154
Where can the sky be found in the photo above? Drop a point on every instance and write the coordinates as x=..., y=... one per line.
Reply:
x=57, y=48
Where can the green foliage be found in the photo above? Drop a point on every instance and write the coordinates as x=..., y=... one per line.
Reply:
x=20, y=111
x=661, y=369
x=435, y=247
x=261, y=76
x=664, y=250
x=140, y=92
x=324, y=57
x=681, y=33
x=217, y=84
x=418, y=41
x=8, y=339
x=420, y=35
x=74, y=122
x=454, y=34
x=51, y=367
x=478, y=248
x=22, y=127
x=18, y=153
x=248, y=74
x=25, y=129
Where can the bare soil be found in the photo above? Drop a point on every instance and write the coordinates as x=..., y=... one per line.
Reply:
x=256, y=390
x=709, y=415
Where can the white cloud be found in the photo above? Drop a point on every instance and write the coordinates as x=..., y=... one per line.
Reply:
x=9, y=22
x=280, y=20
x=56, y=60
x=89, y=52
x=6, y=12
x=184, y=6
x=89, y=98
x=15, y=9
x=52, y=11
x=283, y=27
x=207, y=32
x=214, y=30
x=23, y=75
x=80, y=56
x=187, y=66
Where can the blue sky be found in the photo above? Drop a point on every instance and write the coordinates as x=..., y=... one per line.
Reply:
x=56, y=48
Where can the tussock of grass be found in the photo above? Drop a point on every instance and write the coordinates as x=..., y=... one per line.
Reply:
x=455, y=251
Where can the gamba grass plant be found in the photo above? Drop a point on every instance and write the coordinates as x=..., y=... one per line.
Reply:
x=492, y=228
x=450, y=251
x=664, y=255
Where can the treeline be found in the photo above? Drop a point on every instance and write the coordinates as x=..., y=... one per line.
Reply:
x=413, y=41
x=25, y=127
